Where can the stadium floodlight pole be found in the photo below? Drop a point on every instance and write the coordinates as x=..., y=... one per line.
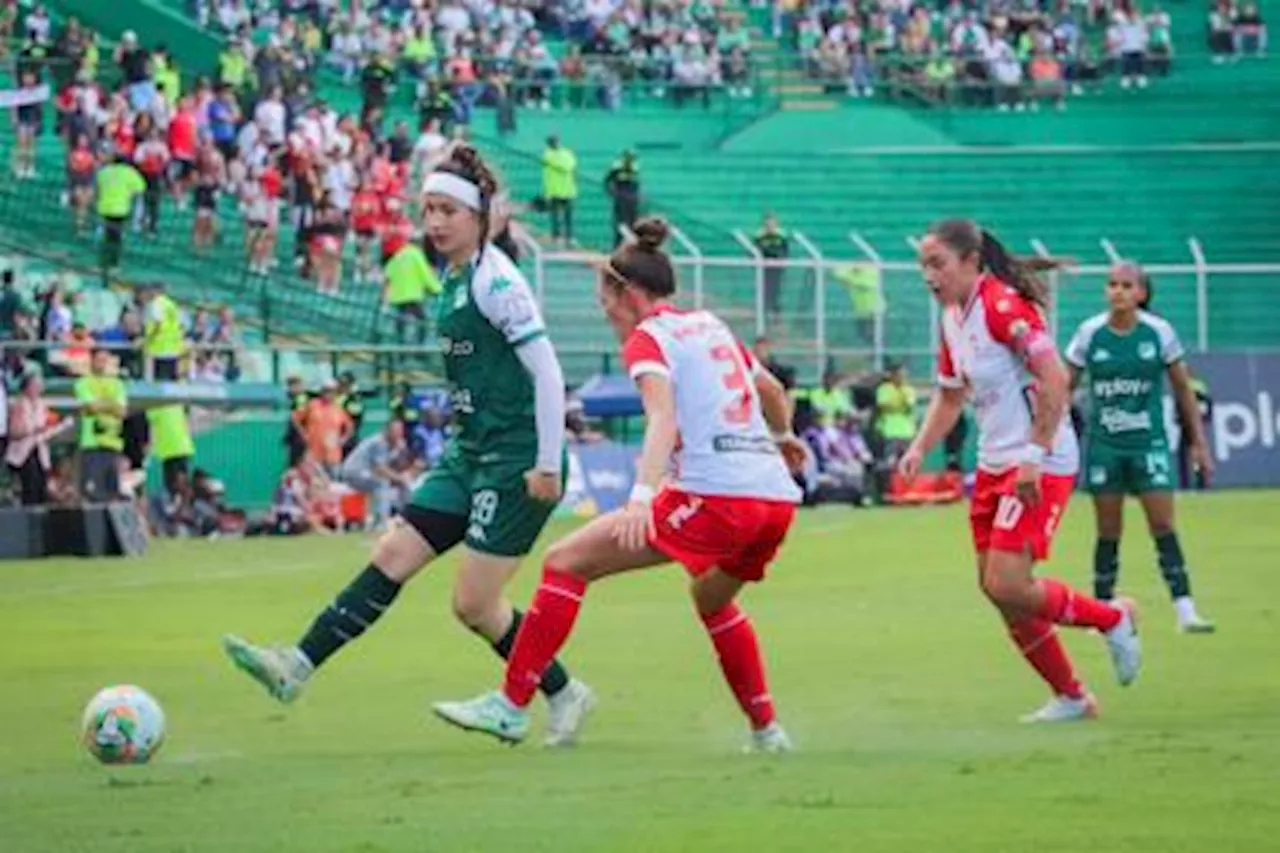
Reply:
x=1042, y=250
x=1110, y=248
x=819, y=295
x=759, y=259
x=698, y=265
x=1202, y=294
x=526, y=239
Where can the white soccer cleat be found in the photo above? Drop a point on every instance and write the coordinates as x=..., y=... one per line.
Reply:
x=1124, y=645
x=772, y=740
x=1064, y=709
x=283, y=671
x=1189, y=620
x=491, y=714
x=1195, y=624
x=568, y=711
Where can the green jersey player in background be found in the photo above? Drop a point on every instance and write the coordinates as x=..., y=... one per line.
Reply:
x=1126, y=353
x=501, y=474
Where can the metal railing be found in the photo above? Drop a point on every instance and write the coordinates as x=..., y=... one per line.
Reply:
x=826, y=320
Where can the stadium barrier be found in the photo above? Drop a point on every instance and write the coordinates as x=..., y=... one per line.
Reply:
x=861, y=311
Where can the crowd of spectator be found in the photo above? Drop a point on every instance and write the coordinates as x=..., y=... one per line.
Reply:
x=1011, y=55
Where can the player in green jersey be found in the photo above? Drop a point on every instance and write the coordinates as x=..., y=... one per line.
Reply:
x=502, y=472
x=1126, y=352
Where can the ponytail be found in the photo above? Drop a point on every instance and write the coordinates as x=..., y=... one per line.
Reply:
x=1022, y=274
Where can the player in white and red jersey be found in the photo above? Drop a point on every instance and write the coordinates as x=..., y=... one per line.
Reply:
x=712, y=492
x=995, y=351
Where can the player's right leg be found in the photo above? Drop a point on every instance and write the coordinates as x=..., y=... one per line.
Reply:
x=434, y=522
x=571, y=564
x=1108, y=513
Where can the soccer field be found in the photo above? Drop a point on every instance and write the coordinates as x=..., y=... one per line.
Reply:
x=891, y=672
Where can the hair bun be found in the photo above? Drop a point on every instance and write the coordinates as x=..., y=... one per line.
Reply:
x=651, y=232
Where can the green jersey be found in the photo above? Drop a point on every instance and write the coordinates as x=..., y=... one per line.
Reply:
x=486, y=311
x=1126, y=379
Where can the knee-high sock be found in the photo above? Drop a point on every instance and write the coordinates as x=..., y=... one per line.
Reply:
x=1038, y=642
x=357, y=607
x=1106, y=568
x=1064, y=606
x=554, y=679
x=544, y=629
x=1172, y=567
x=736, y=645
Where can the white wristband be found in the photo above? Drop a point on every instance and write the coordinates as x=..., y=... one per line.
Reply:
x=1034, y=454
x=642, y=494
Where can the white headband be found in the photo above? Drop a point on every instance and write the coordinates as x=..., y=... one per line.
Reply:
x=455, y=187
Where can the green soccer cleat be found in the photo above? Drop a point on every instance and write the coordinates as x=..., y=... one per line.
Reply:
x=491, y=714
x=282, y=671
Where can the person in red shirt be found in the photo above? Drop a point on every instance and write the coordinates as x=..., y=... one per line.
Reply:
x=261, y=199
x=366, y=216
x=183, y=145
x=396, y=227
x=120, y=131
x=152, y=160
x=82, y=167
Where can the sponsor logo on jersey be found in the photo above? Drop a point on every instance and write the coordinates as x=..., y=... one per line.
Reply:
x=1100, y=355
x=1146, y=351
x=1118, y=420
x=1105, y=389
x=744, y=444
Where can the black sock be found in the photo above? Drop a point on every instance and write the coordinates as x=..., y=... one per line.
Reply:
x=1106, y=568
x=356, y=608
x=554, y=679
x=1172, y=566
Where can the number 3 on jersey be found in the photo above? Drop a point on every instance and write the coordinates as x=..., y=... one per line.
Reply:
x=735, y=379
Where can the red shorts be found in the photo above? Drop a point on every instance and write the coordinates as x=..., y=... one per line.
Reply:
x=739, y=536
x=1002, y=522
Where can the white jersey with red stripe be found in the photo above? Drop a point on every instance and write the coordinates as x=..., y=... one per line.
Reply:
x=984, y=348
x=725, y=446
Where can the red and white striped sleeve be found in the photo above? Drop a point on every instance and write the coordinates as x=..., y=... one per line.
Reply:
x=642, y=354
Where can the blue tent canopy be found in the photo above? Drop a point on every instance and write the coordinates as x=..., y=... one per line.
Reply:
x=610, y=396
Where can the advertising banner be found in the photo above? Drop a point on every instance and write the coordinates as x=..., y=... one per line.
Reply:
x=1245, y=426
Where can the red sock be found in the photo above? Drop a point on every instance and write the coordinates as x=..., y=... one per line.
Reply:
x=739, y=652
x=1038, y=641
x=543, y=631
x=1064, y=606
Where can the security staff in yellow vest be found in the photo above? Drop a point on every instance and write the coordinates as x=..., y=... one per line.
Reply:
x=171, y=442
x=560, y=188
x=164, y=341
x=119, y=185
x=409, y=279
x=773, y=244
x=103, y=406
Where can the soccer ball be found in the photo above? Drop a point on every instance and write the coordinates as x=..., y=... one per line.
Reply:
x=123, y=725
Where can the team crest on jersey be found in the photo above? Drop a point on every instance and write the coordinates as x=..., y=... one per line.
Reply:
x=460, y=298
x=1019, y=328
x=1146, y=351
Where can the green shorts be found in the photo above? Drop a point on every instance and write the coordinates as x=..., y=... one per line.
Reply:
x=1110, y=470
x=501, y=518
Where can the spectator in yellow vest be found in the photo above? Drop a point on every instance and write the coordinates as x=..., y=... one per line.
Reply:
x=895, y=413
x=103, y=406
x=560, y=188
x=409, y=279
x=164, y=341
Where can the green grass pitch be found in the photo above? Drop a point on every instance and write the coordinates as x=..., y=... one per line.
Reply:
x=892, y=674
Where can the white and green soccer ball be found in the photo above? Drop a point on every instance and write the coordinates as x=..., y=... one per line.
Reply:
x=123, y=724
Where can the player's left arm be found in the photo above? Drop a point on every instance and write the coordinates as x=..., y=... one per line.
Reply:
x=1018, y=325
x=505, y=299
x=1180, y=379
